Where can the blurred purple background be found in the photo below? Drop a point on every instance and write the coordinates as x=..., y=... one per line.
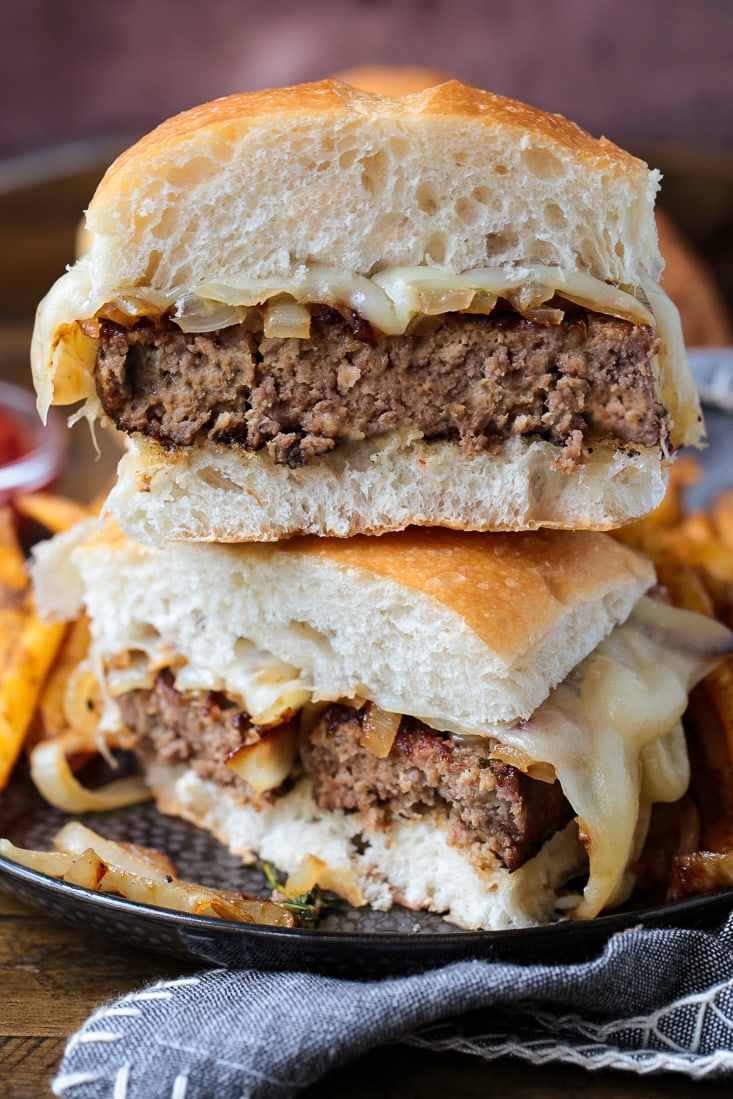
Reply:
x=636, y=70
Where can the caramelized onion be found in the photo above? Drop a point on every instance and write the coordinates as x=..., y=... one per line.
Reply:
x=516, y=757
x=285, y=320
x=56, y=782
x=196, y=314
x=53, y=863
x=82, y=701
x=75, y=838
x=529, y=300
x=109, y=867
x=313, y=871
x=378, y=730
x=266, y=764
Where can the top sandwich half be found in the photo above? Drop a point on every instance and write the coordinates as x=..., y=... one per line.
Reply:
x=320, y=310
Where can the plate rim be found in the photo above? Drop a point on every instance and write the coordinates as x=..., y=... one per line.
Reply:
x=604, y=925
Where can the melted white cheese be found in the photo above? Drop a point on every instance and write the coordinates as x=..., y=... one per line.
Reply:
x=611, y=733
x=391, y=298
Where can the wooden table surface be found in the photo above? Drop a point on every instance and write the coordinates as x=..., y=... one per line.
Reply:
x=52, y=974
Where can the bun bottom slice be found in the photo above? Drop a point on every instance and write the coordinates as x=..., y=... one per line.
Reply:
x=452, y=721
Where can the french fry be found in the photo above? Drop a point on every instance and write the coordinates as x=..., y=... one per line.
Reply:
x=722, y=515
x=686, y=471
x=56, y=513
x=23, y=674
x=681, y=580
x=719, y=687
x=711, y=770
x=27, y=648
x=13, y=576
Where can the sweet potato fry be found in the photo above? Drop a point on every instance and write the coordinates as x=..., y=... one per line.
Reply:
x=677, y=576
x=719, y=688
x=13, y=576
x=686, y=471
x=712, y=771
x=700, y=872
x=27, y=648
x=722, y=515
x=56, y=513
x=23, y=674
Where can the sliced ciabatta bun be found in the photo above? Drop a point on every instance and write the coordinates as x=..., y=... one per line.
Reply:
x=391, y=208
x=465, y=631
x=209, y=493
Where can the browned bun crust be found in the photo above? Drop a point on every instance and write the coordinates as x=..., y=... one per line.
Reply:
x=526, y=580
x=690, y=284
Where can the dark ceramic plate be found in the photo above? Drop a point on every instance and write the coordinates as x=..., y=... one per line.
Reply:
x=348, y=941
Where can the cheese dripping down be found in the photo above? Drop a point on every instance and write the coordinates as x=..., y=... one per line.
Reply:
x=611, y=731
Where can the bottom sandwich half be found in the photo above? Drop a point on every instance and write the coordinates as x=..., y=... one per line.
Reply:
x=474, y=724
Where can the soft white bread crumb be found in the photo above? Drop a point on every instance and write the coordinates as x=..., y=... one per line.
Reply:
x=466, y=631
x=214, y=493
x=410, y=863
x=262, y=185
x=450, y=175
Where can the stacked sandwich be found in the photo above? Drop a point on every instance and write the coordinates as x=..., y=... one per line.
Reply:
x=387, y=368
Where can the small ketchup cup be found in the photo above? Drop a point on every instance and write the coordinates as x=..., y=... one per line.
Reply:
x=31, y=455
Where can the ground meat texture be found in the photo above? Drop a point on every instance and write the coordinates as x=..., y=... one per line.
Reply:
x=484, y=800
x=487, y=805
x=473, y=379
x=202, y=731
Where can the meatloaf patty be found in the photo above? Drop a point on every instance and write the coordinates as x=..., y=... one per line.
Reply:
x=484, y=802
x=470, y=378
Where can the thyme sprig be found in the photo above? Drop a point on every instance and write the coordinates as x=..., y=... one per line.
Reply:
x=308, y=908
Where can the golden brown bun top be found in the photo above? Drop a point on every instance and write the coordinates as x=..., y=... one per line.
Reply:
x=465, y=630
x=270, y=185
x=324, y=98
x=508, y=588
x=392, y=79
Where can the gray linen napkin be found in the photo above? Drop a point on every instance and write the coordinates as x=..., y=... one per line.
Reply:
x=653, y=1000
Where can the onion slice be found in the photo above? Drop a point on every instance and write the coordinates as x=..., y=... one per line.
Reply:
x=53, y=863
x=266, y=764
x=75, y=838
x=378, y=730
x=285, y=320
x=313, y=871
x=105, y=866
x=56, y=782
